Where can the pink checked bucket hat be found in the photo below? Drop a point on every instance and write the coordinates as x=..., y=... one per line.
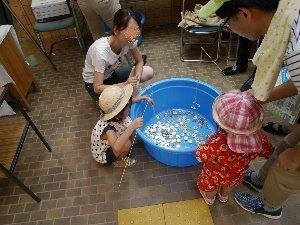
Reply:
x=241, y=115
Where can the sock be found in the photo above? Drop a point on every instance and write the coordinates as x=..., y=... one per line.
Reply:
x=256, y=179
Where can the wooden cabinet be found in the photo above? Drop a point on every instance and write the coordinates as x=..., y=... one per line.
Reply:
x=14, y=63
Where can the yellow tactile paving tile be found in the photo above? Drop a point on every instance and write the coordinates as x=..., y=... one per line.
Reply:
x=147, y=215
x=189, y=212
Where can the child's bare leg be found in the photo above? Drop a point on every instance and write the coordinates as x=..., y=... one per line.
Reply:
x=211, y=195
x=124, y=151
x=224, y=193
x=129, y=162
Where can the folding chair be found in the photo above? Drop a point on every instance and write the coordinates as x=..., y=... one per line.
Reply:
x=70, y=22
x=204, y=31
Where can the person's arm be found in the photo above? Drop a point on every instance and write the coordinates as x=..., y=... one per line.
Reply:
x=98, y=83
x=285, y=90
x=100, y=64
x=117, y=143
x=290, y=159
x=140, y=98
x=137, y=56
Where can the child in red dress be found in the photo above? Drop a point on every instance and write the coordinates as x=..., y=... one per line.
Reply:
x=227, y=154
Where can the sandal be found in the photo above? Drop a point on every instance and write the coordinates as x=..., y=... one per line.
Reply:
x=275, y=128
x=208, y=201
x=222, y=198
x=125, y=162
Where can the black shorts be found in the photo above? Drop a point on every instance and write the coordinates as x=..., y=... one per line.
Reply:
x=120, y=75
x=110, y=156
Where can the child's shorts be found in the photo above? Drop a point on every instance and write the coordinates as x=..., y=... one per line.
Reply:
x=110, y=157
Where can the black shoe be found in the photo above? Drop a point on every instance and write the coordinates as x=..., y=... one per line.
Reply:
x=144, y=59
x=233, y=70
x=247, y=84
x=275, y=128
x=249, y=183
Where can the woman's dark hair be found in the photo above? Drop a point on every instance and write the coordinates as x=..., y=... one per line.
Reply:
x=122, y=17
x=230, y=8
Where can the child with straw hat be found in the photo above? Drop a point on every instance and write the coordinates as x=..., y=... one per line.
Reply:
x=227, y=154
x=111, y=135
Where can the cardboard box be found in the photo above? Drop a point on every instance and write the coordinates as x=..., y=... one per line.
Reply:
x=50, y=10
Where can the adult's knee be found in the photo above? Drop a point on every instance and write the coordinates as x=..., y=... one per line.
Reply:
x=148, y=73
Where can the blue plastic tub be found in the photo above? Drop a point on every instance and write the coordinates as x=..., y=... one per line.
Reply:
x=175, y=93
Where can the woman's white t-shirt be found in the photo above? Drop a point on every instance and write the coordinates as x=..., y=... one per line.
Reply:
x=100, y=58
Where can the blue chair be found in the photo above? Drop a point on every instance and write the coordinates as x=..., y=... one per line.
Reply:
x=70, y=22
x=205, y=31
x=140, y=16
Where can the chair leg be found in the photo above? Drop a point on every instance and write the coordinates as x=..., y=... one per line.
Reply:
x=18, y=182
x=219, y=44
x=51, y=49
x=231, y=44
x=216, y=41
x=79, y=39
x=181, y=46
x=34, y=127
x=40, y=41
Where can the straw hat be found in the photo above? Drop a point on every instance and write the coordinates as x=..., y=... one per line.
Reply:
x=113, y=99
x=241, y=115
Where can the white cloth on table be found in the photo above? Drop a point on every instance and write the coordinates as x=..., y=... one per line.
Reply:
x=4, y=30
x=5, y=109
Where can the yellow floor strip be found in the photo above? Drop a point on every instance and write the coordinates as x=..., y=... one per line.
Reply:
x=190, y=212
x=147, y=215
x=193, y=212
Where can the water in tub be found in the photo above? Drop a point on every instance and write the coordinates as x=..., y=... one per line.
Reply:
x=178, y=129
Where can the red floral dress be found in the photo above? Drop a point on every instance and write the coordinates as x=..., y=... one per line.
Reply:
x=222, y=166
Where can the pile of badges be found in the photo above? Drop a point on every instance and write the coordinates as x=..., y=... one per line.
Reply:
x=179, y=129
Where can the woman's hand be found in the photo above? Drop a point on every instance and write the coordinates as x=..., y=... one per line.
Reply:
x=290, y=159
x=143, y=98
x=137, y=123
x=133, y=80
